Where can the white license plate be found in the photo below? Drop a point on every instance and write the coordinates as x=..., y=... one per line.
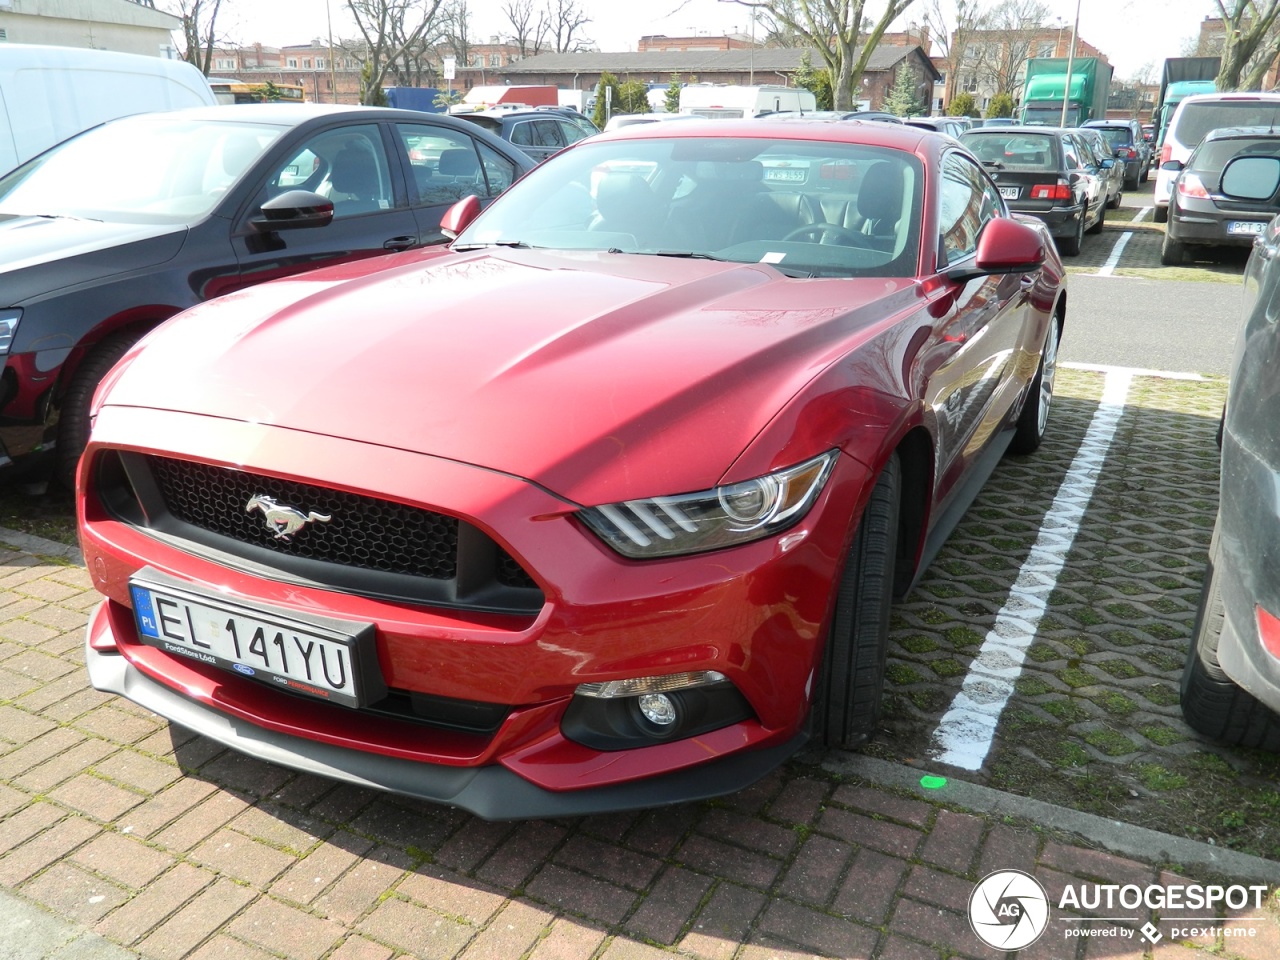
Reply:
x=325, y=659
x=788, y=175
x=1009, y=193
x=1247, y=227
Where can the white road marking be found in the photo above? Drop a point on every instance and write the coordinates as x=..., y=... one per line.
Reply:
x=1133, y=371
x=965, y=732
x=1142, y=214
x=1110, y=265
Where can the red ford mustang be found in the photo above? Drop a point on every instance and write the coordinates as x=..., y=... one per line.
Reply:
x=602, y=507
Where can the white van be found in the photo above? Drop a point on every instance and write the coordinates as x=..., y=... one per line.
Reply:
x=726, y=101
x=48, y=94
x=1195, y=117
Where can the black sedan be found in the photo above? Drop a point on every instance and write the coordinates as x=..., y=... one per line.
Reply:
x=537, y=132
x=1225, y=194
x=114, y=231
x=1049, y=173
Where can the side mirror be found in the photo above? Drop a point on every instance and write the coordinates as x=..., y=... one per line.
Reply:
x=293, y=210
x=1005, y=246
x=1251, y=178
x=1107, y=164
x=458, y=217
x=1173, y=166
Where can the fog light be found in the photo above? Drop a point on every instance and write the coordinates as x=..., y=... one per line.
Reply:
x=658, y=709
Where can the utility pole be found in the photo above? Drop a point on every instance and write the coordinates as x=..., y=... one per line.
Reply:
x=1071, y=60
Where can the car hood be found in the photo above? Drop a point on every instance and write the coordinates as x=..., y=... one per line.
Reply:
x=35, y=252
x=598, y=376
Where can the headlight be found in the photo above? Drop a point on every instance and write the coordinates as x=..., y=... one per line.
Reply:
x=720, y=517
x=8, y=327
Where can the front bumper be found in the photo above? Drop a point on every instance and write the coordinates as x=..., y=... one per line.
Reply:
x=756, y=613
x=491, y=792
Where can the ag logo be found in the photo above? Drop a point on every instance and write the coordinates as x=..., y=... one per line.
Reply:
x=1008, y=910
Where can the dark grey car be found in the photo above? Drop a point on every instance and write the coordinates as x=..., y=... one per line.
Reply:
x=538, y=133
x=1128, y=145
x=1231, y=682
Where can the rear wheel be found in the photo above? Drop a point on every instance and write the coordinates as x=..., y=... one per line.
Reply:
x=1212, y=703
x=1102, y=217
x=1115, y=201
x=1172, y=252
x=1160, y=214
x=73, y=420
x=1034, y=418
x=1070, y=246
x=847, y=703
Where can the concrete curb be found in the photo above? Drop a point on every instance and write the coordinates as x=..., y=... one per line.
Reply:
x=1114, y=835
x=28, y=932
x=40, y=547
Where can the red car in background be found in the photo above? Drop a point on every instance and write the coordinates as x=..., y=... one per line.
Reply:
x=604, y=506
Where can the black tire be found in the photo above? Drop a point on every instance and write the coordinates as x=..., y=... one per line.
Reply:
x=1070, y=246
x=1172, y=252
x=1114, y=203
x=1102, y=218
x=1033, y=421
x=1160, y=214
x=1212, y=703
x=1133, y=184
x=73, y=420
x=847, y=703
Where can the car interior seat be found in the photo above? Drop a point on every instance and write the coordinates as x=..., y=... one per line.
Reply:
x=880, y=204
x=626, y=204
x=355, y=175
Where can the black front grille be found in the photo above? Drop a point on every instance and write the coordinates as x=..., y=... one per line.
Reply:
x=362, y=532
x=367, y=546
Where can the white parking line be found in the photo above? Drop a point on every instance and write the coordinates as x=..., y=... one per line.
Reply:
x=965, y=732
x=1142, y=214
x=1114, y=259
x=1133, y=371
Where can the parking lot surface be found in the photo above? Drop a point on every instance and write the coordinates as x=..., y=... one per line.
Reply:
x=123, y=835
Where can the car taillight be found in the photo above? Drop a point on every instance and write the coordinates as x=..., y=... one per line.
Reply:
x=1268, y=631
x=1051, y=191
x=1126, y=153
x=1166, y=153
x=1189, y=185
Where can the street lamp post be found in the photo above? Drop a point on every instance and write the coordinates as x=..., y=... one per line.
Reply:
x=1071, y=60
x=333, y=69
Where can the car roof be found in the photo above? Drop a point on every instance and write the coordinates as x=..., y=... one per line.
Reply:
x=1016, y=129
x=295, y=114
x=873, y=133
x=1253, y=133
x=1217, y=97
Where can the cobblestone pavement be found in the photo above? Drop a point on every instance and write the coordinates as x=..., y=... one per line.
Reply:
x=165, y=845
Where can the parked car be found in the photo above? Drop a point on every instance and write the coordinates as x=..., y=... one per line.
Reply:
x=951, y=126
x=1224, y=195
x=1194, y=117
x=618, y=121
x=612, y=507
x=1114, y=174
x=114, y=231
x=1048, y=173
x=1231, y=681
x=1001, y=122
x=1127, y=144
x=538, y=133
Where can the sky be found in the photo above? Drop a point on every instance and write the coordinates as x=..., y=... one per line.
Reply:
x=1132, y=33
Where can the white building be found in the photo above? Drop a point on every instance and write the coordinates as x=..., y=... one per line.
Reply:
x=126, y=26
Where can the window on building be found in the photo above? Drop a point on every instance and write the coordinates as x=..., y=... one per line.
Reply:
x=292, y=62
x=495, y=59
x=477, y=60
x=1046, y=48
x=306, y=63
x=320, y=64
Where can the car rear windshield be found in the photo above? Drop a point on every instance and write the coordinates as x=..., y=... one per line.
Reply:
x=1115, y=136
x=1195, y=120
x=1015, y=150
x=1211, y=157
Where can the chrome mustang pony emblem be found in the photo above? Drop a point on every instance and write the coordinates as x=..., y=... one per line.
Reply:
x=282, y=520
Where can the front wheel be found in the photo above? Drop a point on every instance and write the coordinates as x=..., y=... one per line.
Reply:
x=1172, y=252
x=1070, y=246
x=1212, y=702
x=847, y=702
x=1102, y=218
x=73, y=420
x=1034, y=418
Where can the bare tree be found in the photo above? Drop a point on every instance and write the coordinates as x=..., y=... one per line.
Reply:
x=953, y=33
x=199, y=30
x=1011, y=38
x=565, y=20
x=454, y=28
x=528, y=26
x=388, y=28
x=1250, y=44
x=838, y=31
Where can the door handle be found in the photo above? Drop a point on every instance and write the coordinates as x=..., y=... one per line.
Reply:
x=400, y=243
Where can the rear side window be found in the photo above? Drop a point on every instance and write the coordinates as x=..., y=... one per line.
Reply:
x=1013, y=151
x=1195, y=120
x=1211, y=157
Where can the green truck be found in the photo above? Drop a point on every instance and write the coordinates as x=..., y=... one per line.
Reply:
x=1180, y=78
x=1046, y=85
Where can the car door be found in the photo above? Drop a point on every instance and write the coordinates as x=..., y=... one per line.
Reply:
x=444, y=166
x=1088, y=188
x=973, y=385
x=352, y=165
x=539, y=137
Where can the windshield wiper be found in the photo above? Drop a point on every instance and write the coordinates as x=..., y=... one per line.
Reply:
x=513, y=244
x=993, y=163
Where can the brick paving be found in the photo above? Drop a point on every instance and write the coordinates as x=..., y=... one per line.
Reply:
x=168, y=846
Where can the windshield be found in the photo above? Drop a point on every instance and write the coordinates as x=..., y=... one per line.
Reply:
x=810, y=208
x=1051, y=116
x=150, y=169
x=1013, y=150
x=1197, y=119
x=1115, y=136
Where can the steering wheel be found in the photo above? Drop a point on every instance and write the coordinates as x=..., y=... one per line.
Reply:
x=820, y=232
